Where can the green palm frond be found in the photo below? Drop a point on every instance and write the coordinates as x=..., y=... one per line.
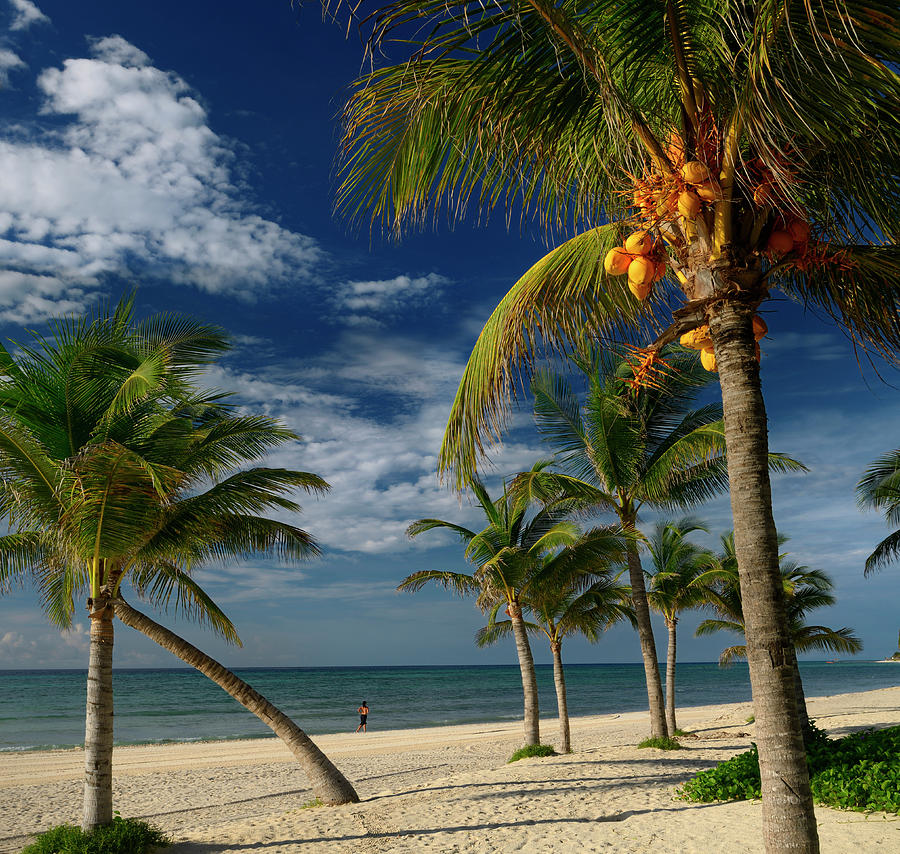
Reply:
x=824, y=638
x=20, y=552
x=456, y=582
x=563, y=297
x=887, y=551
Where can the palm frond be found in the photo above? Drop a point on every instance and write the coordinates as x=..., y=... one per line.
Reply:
x=456, y=582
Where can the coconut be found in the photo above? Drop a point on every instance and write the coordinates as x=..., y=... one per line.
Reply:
x=689, y=204
x=780, y=242
x=760, y=330
x=708, y=360
x=695, y=172
x=641, y=270
x=764, y=195
x=616, y=261
x=640, y=291
x=638, y=243
x=799, y=230
x=697, y=339
x=709, y=191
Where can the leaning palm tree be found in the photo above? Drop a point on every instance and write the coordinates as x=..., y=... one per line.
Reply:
x=805, y=589
x=562, y=605
x=756, y=146
x=675, y=563
x=508, y=555
x=879, y=488
x=622, y=448
x=114, y=469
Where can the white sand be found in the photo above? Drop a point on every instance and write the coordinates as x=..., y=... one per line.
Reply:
x=447, y=789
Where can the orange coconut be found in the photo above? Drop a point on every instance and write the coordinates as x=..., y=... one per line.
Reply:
x=799, y=230
x=780, y=242
x=689, y=204
x=638, y=243
x=616, y=261
x=697, y=339
x=760, y=330
x=708, y=360
x=695, y=172
x=709, y=191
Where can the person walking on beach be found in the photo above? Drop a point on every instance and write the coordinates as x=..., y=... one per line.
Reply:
x=363, y=715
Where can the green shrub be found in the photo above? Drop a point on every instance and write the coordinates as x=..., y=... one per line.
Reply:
x=123, y=836
x=859, y=772
x=661, y=743
x=532, y=750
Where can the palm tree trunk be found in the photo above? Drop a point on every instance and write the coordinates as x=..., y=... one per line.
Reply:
x=802, y=713
x=789, y=823
x=658, y=727
x=529, y=680
x=559, y=679
x=98, y=723
x=328, y=784
x=670, y=677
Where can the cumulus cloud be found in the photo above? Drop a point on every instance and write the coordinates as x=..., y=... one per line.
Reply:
x=360, y=303
x=136, y=181
x=25, y=14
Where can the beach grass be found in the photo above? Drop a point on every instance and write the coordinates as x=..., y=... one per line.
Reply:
x=662, y=743
x=122, y=836
x=532, y=750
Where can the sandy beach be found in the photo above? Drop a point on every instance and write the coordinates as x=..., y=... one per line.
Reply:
x=446, y=789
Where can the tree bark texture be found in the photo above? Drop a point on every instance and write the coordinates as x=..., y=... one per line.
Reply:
x=559, y=680
x=789, y=823
x=529, y=680
x=801, y=700
x=670, y=677
x=658, y=727
x=328, y=784
x=98, y=722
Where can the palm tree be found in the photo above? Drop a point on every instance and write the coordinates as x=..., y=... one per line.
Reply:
x=879, y=488
x=509, y=554
x=114, y=468
x=804, y=589
x=624, y=448
x=743, y=135
x=563, y=606
x=674, y=564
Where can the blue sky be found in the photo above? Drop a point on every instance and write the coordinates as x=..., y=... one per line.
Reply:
x=188, y=149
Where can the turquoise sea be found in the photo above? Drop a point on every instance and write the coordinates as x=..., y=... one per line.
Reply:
x=42, y=709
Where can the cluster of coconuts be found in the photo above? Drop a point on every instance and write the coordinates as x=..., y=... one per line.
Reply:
x=787, y=237
x=682, y=194
x=641, y=259
x=700, y=339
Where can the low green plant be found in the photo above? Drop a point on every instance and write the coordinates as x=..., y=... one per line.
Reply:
x=532, y=750
x=679, y=733
x=664, y=743
x=315, y=802
x=122, y=836
x=751, y=719
x=859, y=772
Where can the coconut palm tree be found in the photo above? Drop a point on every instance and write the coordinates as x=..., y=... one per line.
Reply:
x=574, y=602
x=879, y=488
x=622, y=448
x=740, y=134
x=509, y=554
x=675, y=563
x=805, y=589
x=115, y=469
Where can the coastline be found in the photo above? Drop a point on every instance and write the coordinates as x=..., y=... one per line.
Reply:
x=430, y=789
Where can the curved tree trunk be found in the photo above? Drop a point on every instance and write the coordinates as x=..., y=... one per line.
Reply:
x=658, y=727
x=802, y=713
x=328, y=784
x=789, y=823
x=529, y=680
x=559, y=680
x=98, y=721
x=670, y=677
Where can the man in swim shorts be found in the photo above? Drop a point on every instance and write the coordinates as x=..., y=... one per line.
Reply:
x=363, y=715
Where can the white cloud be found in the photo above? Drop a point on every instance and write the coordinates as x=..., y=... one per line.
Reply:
x=136, y=181
x=8, y=61
x=360, y=301
x=26, y=13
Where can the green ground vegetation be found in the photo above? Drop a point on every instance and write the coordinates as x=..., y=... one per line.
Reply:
x=122, y=836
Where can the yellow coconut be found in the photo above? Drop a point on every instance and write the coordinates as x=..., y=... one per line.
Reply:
x=641, y=270
x=638, y=243
x=760, y=330
x=780, y=242
x=695, y=172
x=708, y=360
x=697, y=339
x=709, y=191
x=689, y=204
x=799, y=230
x=616, y=261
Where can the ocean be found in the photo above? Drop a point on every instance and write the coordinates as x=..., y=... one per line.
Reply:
x=44, y=709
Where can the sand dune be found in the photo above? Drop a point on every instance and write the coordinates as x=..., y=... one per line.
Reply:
x=446, y=789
